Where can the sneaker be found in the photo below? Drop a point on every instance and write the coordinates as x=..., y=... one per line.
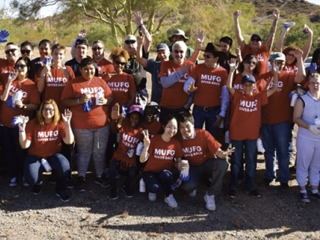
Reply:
x=113, y=194
x=267, y=182
x=13, y=182
x=127, y=191
x=102, y=182
x=210, y=203
x=193, y=193
x=232, y=193
x=254, y=193
x=171, y=201
x=284, y=187
x=316, y=195
x=70, y=183
x=24, y=183
x=152, y=196
x=81, y=184
x=64, y=197
x=36, y=189
x=304, y=197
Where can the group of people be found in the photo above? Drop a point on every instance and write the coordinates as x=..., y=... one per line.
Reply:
x=174, y=140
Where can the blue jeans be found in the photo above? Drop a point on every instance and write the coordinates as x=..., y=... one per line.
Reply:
x=60, y=165
x=114, y=167
x=213, y=168
x=208, y=117
x=250, y=150
x=13, y=153
x=275, y=139
x=156, y=181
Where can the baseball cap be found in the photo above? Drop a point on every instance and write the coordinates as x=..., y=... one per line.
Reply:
x=248, y=78
x=130, y=38
x=255, y=35
x=136, y=108
x=162, y=46
x=277, y=56
x=81, y=41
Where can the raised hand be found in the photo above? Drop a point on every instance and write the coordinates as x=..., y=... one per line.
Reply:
x=115, y=112
x=275, y=67
x=238, y=51
x=3, y=35
x=200, y=37
x=140, y=40
x=233, y=64
x=307, y=30
x=12, y=76
x=66, y=117
x=82, y=33
x=186, y=68
x=22, y=126
x=298, y=53
x=146, y=138
x=138, y=18
x=192, y=87
x=236, y=14
x=276, y=13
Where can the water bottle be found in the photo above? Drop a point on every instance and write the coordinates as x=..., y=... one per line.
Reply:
x=142, y=186
x=46, y=165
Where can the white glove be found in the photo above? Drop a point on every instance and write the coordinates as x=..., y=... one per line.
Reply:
x=314, y=129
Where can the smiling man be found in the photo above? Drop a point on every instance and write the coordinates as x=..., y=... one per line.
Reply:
x=7, y=65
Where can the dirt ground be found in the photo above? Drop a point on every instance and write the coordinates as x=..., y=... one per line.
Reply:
x=91, y=215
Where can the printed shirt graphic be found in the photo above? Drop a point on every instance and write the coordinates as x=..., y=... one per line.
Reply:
x=174, y=96
x=199, y=148
x=161, y=154
x=45, y=140
x=130, y=137
x=246, y=115
x=209, y=82
x=29, y=94
x=278, y=109
x=104, y=68
x=5, y=69
x=261, y=83
x=262, y=54
x=121, y=86
x=55, y=85
x=98, y=116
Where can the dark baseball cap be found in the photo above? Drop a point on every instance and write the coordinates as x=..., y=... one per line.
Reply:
x=248, y=78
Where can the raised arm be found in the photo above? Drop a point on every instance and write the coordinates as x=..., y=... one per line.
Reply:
x=139, y=55
x=307, y=46
x=199, y=40
x=301, y=74
x=24, y=143
x=12, y=76
x=146, y=143
x=269, y=42
x=233, y=64
x=82, y=34
x=286, y=27
x=66, y=117
x=275, y=70
x=237, y=29
x=143, y=31
x=168, y=81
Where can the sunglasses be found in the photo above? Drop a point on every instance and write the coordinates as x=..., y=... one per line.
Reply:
x=120, y=63
x=25, y=51
x=96, y=48
x=251, y=62
x=206, y=56
x=10, y=51
x=177, y=51
x=20, y=66
x=130, y=41
x=255, y=39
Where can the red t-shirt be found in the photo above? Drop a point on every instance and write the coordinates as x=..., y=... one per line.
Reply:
x=278, y=109
x=130, y=137
x=174, y=96
x=262, y=54
x=98, y=116
x=209, y=82
x=5, y=69
x=30, y=94
x=154, y=127
x=45, y=139
x=104, y=67
x=261, y=84
x=121, y=86
x=246, y=115
x=199, y=148
x=54, y=86
x=161, y=154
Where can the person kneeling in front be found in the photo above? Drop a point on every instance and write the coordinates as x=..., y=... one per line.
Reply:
x=205, y=159
x=43, y=136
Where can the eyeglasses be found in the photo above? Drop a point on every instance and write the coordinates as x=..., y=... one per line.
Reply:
x=96, y=48
x=130, y=41
x=48, y=109
x=10, y=50
x=206, y=56
x=251, y=62
x=290, y=55
x=177, y=51
x=20, y=66
x=25, y=51
x=255, y=39
x=314, y=83
x=120, y=63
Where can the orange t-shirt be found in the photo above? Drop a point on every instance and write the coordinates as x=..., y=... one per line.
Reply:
x=30, y=94
x=45, y=139
x=104, y=67
x=262, y=54
x=154, y=127
x=174, y=96
x=199, y=148
x=121, y=86
x=130, y=137
x=98, y=116
x=261, y=84
x=209, y=82
x=246, y=115
x=161, y=154
x=54, y=86
x=5, y=69
x=278, y=109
